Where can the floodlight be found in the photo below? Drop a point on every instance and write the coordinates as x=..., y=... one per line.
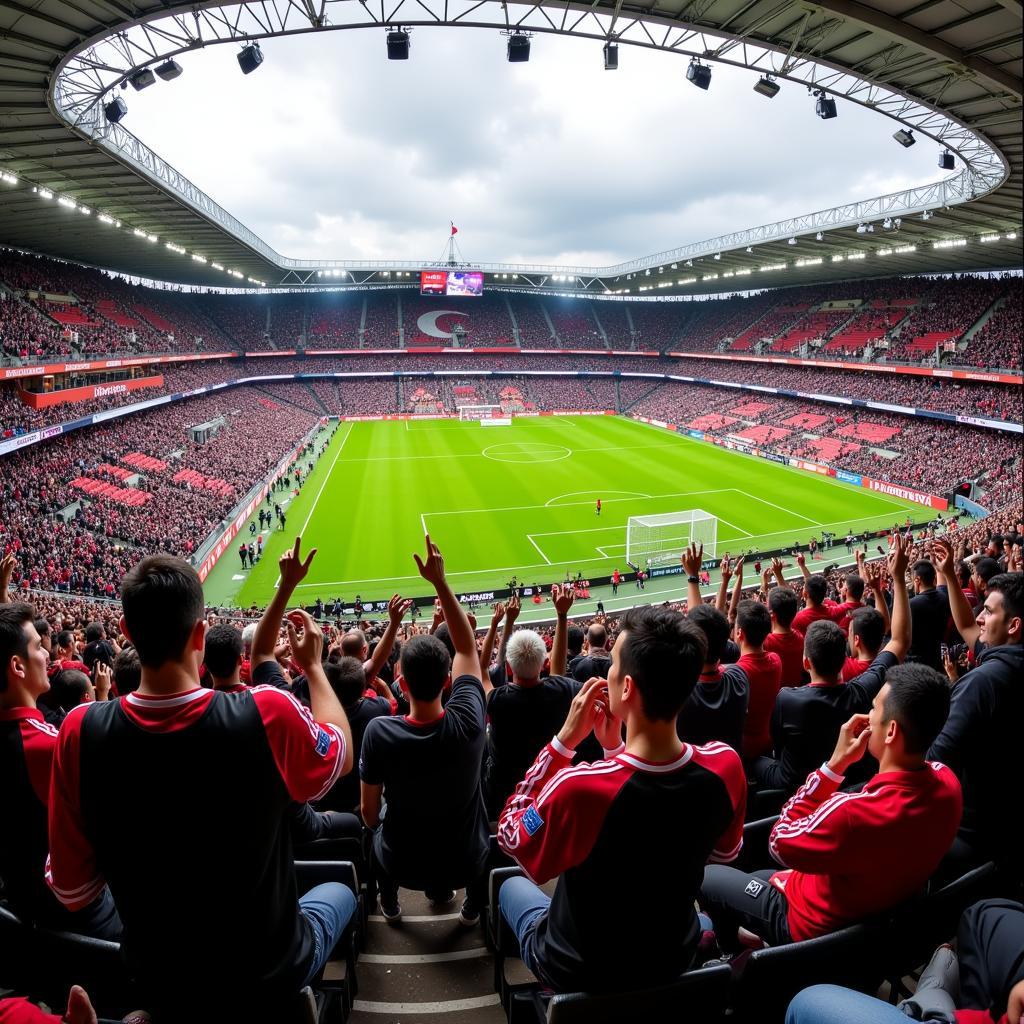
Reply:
x=946, y=161
x=825, y=107
x=169, y=70
x=398, y=44
x=250, y=58
x=767, y=86
x=904, y=137
x=115, y=110
x=611, y=56
x=141, y=79
x=818, y=237
x=792, y=241
x=518, y=48
x=699, y=74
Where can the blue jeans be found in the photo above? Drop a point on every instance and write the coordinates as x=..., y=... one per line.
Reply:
x=831, y=1004
x=522, y=905
x=328, y=908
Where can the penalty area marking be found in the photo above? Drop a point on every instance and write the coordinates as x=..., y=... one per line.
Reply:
x=529, y=537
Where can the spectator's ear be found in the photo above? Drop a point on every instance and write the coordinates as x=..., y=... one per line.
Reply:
x=197, y=642
x=123, y=626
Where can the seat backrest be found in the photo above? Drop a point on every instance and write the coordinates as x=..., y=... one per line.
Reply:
x=754, y=852
x=697, y=997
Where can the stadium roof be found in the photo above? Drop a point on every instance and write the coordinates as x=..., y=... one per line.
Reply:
x=948, y=69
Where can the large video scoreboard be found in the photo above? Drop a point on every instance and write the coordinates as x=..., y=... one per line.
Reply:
x=451, y=283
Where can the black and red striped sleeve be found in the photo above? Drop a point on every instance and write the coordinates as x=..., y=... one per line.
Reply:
x=553, y=818
x=71, y=868
x=39, y=741
x=308, y=754
x=721, y=759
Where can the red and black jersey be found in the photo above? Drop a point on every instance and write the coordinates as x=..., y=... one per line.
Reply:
x=191, y=840
x=790, y=648
x=594, y=823
x=857, y=854
x=27, y=744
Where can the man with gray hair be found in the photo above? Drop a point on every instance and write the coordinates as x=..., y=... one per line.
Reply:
x=527, y=712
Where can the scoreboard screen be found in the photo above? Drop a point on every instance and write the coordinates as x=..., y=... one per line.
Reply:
x=448, y=283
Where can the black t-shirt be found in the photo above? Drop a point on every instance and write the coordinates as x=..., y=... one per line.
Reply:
x=590, y=665
x=344, y=794
x=434, y=827
x=522, y=720
x=268, y=673
x=929, y=616
x=98, y=650
x=807, y=719
x=716, y=709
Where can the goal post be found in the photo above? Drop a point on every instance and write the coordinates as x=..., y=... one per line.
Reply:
x=485, y=415
x=661, y=539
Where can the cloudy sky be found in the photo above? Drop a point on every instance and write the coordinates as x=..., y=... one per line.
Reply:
x=329, y=150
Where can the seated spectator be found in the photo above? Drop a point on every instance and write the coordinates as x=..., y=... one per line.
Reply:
x=807, y=718
x=525, y=713
x=427, y=765
x=27, y=745
x=849, y=856
x=222, y=657
x=268, y=942
x=981, y=738
x=984, y=978
x=783, y=640
x=681, y=805
x=716, y=707
x=763, y=672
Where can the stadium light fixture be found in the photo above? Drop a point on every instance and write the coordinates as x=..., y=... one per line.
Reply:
x=518, y=51
x=141, y=79
x=825, y=106
x=946, y=161
x=398, y=44
x=767, y=86
x=792, y=241
x=43, y=193
x=818, y=237
x=611, y=56
x=905, y=137
x=699, y=74
x=115, y=110
x=250, y=58
x=7, y=178
x=169, y=70
x=68, y=203
x=718, y=255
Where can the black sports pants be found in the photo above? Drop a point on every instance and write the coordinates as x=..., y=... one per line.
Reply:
x=733, y=899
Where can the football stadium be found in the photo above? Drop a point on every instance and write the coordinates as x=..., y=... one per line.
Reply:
x=616, y=615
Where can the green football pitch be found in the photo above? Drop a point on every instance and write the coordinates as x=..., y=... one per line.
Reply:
x=520, y=500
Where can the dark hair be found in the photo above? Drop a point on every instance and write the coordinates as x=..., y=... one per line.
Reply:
x=347, y=678
x=68, y=689
x=783, y=604
x=65, y=638
x=425, y=666
x=854, y=587
x=825, y=648
x=1011, y=586
x=815, y=588
x=574, y=640
x=918, y=701
x=755, y=621
x=868, y=624
x=42, y=627
x=597, y=635
x=924, y=571
x=127, y=671
x=13, y=641
x=93, y=632
x=443, y=633
x=663, y=652
x=223, y=649
x=986, y=568
x=715, y=627
x=162, y=600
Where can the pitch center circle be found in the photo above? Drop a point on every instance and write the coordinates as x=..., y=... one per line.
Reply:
x=526, y=451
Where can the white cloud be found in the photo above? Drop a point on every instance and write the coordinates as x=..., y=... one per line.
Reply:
x=329, y=150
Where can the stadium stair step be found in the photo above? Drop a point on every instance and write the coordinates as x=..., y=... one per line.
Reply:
x=428, y=969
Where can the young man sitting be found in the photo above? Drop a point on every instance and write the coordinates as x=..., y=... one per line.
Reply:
x=180, y=804
x=764, y=675
x=426, y=765
x=657, y=809
x=848, y=856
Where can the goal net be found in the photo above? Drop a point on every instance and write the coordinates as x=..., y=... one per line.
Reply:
x=480, y=412
x=663, y=538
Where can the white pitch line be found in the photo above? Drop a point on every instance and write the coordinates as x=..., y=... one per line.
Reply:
x=312, y=509
x=789, y=511
x=529, y=537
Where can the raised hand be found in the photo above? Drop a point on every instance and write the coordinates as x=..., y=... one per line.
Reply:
x=498, y=615
x=583, y=712
x=293, y=568
x=692, y=559
x=305, y=639
x=431, y=568
x=899, y=556
x=607, y=728
x=512, y=610
x=725, y=567
x=800, y=559
x=104, y=678
x=7, y=566
x=852, y=743
x=397, y=607
x=943, y=558
x=562, y=598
